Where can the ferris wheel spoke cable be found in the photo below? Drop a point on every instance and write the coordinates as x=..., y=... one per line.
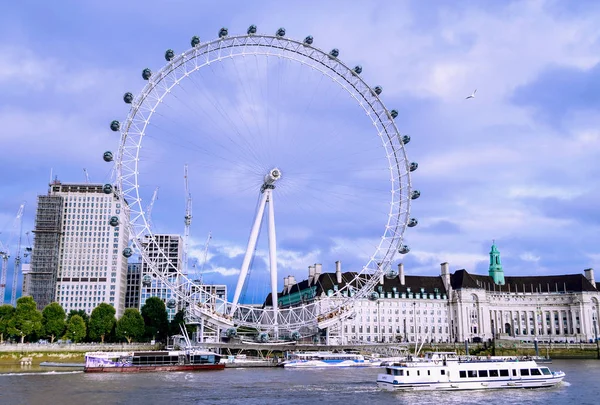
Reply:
x=221, y=111
x=217, y=104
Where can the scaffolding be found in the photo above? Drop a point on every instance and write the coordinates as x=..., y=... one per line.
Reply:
x=45, y=255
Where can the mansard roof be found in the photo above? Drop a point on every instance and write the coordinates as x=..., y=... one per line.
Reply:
x=327, y=281
x=551, y=283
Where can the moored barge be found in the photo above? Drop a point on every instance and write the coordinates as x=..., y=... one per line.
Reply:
x=148, y=361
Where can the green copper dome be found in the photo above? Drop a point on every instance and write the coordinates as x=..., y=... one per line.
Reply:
x=496, y=271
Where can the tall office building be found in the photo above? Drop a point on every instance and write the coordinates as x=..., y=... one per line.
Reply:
x=77, y=253
x=165, y=252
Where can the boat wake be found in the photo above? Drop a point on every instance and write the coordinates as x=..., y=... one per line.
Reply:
x=42, y=373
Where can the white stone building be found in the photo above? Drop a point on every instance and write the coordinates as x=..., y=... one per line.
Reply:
x=90, y=267
x=459, y=306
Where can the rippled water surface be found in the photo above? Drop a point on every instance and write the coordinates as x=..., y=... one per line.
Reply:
x=274, y=386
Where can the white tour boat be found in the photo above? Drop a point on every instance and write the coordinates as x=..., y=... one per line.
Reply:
x=448, y=371
x=327, y=359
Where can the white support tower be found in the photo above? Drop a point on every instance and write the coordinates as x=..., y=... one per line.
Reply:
x=267, y=198
x=87, y=176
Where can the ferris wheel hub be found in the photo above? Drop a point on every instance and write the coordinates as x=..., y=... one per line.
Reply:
x=270, y=178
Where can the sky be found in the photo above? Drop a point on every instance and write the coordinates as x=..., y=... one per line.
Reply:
x=516, y=164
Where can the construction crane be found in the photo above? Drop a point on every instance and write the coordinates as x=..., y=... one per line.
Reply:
x=150, y=206
x=87, y=176
x=205, y=256
x=187, y=220
x=5, y=252
x=17, y=265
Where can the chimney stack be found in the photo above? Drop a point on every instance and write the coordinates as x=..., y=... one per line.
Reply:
x=338, y=272
x=401, y=273
x=318, y=268
x=446, y=277
x=589, y=274
x=286, y=284
x=291, y=283
x=311, y=274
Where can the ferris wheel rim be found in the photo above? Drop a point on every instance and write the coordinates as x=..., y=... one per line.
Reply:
x=127, y=177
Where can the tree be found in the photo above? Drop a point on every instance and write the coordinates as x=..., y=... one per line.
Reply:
x=179, y=319
x=131, y=325
x=53, y=320
x=156, y=318
x=6, y=314
x=82, y=314
x=27, y=319
x=101, y=321
x=76, y=329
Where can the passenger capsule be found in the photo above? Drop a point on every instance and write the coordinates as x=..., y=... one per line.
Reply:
x=415, y=194
x=412, y=222
x=107, y=189
x=147, y=280
x=308, y=40
x=405, y=139
x=378, y=90
x=114, y=221
x=251, y=29
x=169, y=55
x=334, y=53
x=146, y=73
x=231, y=332
x=357, y=69
x=404, y=249
x=413, y=166
x=391, y=274
x=296, y=335
x=128, y=98
x=127, y=252
x=280, y=32
x=394, y=114
x=263, y=337
x=373, y=296
x=171, y=303
x=115, y=125
x=195, y=41
x=223, y=32
x=108, y=156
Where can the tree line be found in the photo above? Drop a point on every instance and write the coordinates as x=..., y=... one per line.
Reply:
x=26, y=323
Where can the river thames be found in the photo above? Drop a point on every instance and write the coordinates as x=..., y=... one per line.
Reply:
x=272, y=386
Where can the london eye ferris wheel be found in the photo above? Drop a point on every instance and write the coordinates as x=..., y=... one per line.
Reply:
x=283, y=139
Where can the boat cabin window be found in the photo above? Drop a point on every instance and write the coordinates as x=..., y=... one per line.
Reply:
x=514, y=373
x=524, y=371
x=483, y=373
x=472, y=373
x=428, y=372
x=493, y=373
x=394, y=371
x=418, y=372
x=535, y=371
x=407, y=373
x=443, y=372
x=503, y=373
x=463, y=374
x=546, y=371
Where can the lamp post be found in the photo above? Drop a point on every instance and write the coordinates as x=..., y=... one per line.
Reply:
x=596, y=337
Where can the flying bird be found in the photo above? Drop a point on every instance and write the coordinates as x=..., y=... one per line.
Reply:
x=472, y=95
